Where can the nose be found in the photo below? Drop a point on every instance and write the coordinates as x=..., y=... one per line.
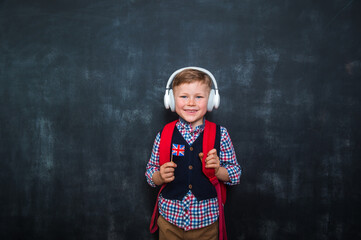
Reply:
x=191, y=102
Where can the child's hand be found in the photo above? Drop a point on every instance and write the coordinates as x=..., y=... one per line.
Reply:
x=212, y=160
x=167, y=172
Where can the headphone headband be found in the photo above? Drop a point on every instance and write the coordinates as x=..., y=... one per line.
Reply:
x=170, y=80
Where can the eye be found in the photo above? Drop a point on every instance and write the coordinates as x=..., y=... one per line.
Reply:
x=199, y=97
x=183, y=96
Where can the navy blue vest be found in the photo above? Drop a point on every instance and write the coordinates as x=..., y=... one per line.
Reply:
x=188, y=173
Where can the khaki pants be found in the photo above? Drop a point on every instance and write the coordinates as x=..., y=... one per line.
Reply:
x=168, y=231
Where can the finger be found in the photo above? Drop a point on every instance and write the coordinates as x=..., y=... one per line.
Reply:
x=212, y=152
x=200, y=155
x=213, y=158
x=169, y=165
x=212, y=166
x=212, y=162
x=168, y=175
x=169, y=170
x=167, y=180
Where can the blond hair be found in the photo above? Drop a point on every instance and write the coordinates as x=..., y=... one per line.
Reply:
x=190, y=76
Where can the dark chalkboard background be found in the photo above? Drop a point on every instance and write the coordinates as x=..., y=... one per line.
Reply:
x=81, y=99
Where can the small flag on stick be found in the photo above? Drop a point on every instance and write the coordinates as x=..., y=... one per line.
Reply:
x=177, y=150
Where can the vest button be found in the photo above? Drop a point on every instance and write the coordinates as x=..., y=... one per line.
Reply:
x=190, y=167
x=190, y=186
x=191, y=148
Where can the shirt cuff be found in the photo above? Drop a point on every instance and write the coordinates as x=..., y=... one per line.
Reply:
x=149, y=175
x=234, y=174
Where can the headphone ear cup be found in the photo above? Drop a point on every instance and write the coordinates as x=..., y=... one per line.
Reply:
x=166, y=99
x=171, y=100
x=216, y=100
x=210, y=104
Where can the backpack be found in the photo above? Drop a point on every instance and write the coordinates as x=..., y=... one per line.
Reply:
x=209, y=136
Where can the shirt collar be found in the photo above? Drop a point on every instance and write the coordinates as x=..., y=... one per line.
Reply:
x=183, y=124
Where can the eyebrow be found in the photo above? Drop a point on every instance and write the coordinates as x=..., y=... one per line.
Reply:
x=198, y=93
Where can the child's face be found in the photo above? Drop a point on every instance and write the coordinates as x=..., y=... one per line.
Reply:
x=191, y=101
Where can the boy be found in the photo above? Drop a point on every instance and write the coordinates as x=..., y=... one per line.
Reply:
x=188, y=204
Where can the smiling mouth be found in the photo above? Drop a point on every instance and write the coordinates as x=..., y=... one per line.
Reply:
x=190, y=111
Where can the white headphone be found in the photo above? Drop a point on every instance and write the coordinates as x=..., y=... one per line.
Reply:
x=213, y=100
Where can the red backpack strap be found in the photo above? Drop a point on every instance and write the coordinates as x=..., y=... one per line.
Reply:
x=209, y=137
x=164, y=156
x=153, y=222
x=166, y=142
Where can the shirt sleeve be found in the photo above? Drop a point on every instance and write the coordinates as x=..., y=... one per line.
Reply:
x=153, y=163
x=228, y=158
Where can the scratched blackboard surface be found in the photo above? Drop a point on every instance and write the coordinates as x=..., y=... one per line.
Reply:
x=81, y=100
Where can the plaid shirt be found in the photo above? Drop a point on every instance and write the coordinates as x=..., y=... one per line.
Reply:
x=189, y=213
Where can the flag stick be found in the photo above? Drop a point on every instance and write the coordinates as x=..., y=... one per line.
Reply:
x=171, y=158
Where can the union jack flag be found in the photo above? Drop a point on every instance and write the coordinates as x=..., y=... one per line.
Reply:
x=178, y=150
